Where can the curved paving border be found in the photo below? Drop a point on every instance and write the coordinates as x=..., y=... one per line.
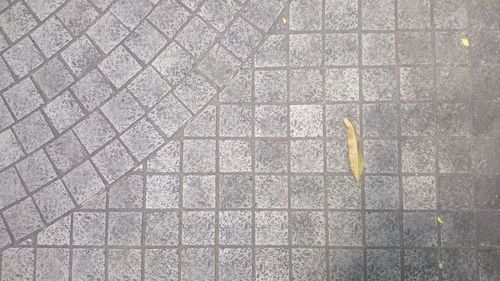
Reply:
x=99, y=149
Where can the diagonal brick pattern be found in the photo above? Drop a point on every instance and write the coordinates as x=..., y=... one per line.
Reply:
x=97, y=82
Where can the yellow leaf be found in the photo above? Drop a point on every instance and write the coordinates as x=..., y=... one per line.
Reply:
x=464, y=41
x=440, y=220
x=283, y=20
x=356, y=160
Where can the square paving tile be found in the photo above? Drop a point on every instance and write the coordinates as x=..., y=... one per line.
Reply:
x=161, y=229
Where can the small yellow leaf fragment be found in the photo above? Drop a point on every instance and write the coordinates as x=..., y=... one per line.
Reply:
x=283, y=20
x=440, y=219
x=356, y=160
x=464, y=41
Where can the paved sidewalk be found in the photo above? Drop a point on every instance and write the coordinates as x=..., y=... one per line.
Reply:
x=221, y=163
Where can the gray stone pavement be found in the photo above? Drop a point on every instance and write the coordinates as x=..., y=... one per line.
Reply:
x=256, y=186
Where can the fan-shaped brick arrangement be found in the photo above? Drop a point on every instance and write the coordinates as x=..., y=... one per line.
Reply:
x=90, y=88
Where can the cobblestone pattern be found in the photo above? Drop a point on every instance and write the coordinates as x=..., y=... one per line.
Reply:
x=91, y=88
x=257, y=188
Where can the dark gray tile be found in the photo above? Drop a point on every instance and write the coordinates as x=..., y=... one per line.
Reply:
x=416, y=83
x=335, y=126
x=449, y=50
x=235, y=156
x=235, y=120
x=169, y=25
x=488, y=228
x=235, y=264
x=420, y=264
x=199, y=156
x=414, y=14
x=161, y=264
x=489, y=265
x=309, y=264
x=89, y=228
x=484, y=51
x=53, y=201
x=378, y=84
x=458, y=229
x=341, y=15
x=88, y=263
x=270, y=86
x=484, y=81
x=124, y=228
x=455, y=192
x=128, y=193
x=377, y=14
x=450, y=14
x=198, y=228
x=486, y=120
x=271, y=156
x=486, y=192
x=485, y=156
x=341, y=49
x=198, y=191
x=241, y=38
x=419, y=192
x=418, y=156
x=306, y=192
x=419, y=229
x=271, y=120
x=305, y=15
x=455, y=83
x=36, y=170
x=271, y=191
x=271, y=228
x=383, y=264
x=305, y=85
x=306, y=155
x=235, y=191
x=271, y=264
x=124, y=264
x=342, y=84
x=380, y=120
x=272, y=52
x=197, y=264
x=18, y=264
x=161, y=229
x=417, y=119
x=113, y=161
x=449, y=161
x=306, y=120
x=219, y=65
x=344, y=228
x=162, y=191
x=346, y=264
x=381, y=156
x=307, y=228
x=66, y=151
x=342, y=193
x=459, y=264
x=415, y=47
x=235, y=227
x=454, y=119
x=305, y=49
x=378, y=48
x=381, y=192
x=52, y=264
x=383, y=229
x=23, y=218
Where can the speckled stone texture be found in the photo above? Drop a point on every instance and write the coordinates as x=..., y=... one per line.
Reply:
x=255, y=185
